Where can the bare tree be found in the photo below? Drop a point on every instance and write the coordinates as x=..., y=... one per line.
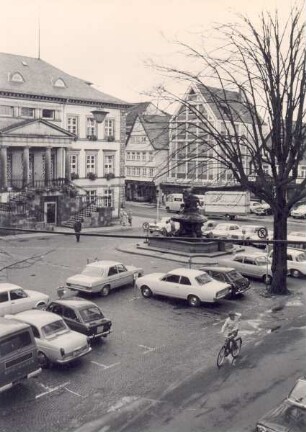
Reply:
x=258, y=78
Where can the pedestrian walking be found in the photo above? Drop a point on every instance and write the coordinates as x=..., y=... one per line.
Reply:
x=77, y=229
x=130, y=217
x=121, y=216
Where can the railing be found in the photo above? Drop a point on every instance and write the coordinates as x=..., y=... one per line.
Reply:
x=19, y=184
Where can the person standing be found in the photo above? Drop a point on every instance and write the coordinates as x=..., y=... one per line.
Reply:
x=130, y=217
x=77, y=229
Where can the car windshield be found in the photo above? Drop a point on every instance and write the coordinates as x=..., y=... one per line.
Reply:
x=262, y=260
x=93, y=271
x=301, y=257
x=298, y=393
x=203, y=279
x=91, y=313
x=55, y=328
x=233, y=275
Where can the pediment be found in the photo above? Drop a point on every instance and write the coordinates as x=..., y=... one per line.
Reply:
x=38, y=128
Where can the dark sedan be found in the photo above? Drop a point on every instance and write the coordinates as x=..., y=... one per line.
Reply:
x=290, y=415
x=239, y=284
x=82, y=316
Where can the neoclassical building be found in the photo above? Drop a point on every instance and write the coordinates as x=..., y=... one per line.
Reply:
x=56, y=127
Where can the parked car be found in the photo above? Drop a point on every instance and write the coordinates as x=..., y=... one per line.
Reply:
x=225, y=230
x=299, y=212
x=296, y=262
x=250, y=233
x=163, y=226
x=82, y=316
x=103, y=276
x=254, y=204
x=253, y=265
x=263, y=209
x=290, y=415
x=238, y=283
x=14, y=299
x=208, y=226
x=295, y=238
x=193, y=285
x=55, y=341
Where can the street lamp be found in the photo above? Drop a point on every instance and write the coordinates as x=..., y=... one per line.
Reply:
x=99, y=115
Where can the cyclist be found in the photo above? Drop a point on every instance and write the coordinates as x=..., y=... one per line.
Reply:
x=230, y=329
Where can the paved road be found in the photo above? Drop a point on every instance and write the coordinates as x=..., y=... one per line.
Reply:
x=159, y=349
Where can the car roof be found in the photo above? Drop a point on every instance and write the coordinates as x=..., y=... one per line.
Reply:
x=182, y=271
x=6, y=286
x=37, y=317
x=103, y=264
x=76, y=303
x=9, y=325
x=217, y=268
x=295, y=251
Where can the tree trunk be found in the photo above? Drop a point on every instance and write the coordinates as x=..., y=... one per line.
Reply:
x=279, y=270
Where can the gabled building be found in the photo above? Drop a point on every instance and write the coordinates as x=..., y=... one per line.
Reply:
x=146, y=153
x=50, y=131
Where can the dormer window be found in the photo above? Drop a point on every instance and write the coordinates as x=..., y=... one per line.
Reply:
x=59, y=83
x=17, y=77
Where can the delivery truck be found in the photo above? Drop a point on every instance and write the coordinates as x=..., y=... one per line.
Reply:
x=227, y=203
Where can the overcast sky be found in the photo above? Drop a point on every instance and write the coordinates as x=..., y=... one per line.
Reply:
x=108, y=41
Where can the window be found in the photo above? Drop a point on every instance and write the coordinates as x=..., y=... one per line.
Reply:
x=109, y=127
x=144, y=156
x=18, y=294
x=91, y=127
x=151, y=156
x=70, y=314
x=112, y=271
x=59, y=83
x=92, y=195
x=14, y=343
x=27, y=112
x=6, y=111
x=90, y=163
x=108, y=197
x=128, y=171
x=121, y=268
x=137, y=156
x=3, y=297
x=144, y=172
x=128, y=155
x=185, y=281
x=248, y=261
x=171, y=278
x=74, y=164
x=48, y=114
x=151, y=172
x=108, y=164
x=35, y=332
x=72, y=124
x=137, y=171
x=17, y=77
x=133, y=156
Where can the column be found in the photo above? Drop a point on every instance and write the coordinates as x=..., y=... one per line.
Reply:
x=60, y=162
x=3, y=167
x=25, y=171
x=47, y=166
x=67, y=165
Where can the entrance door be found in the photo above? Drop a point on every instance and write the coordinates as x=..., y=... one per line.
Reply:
x=50, y=212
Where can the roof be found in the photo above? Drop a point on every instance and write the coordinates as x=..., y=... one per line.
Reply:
x=40, y=76
x=10, y=325
x=186, y=272
x=77, y=303
x=35, y=316
x=215, y=96
x=134, y=111
x=220, y=269
x=157, y=129
x=6, y=286
x=12, y=126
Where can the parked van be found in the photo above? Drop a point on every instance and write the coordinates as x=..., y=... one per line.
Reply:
x=18, y=353
x=174, y=202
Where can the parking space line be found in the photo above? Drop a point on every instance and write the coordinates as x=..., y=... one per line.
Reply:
x=105, y=366
x=70, y=391
x=147, y=349
x=50, y=389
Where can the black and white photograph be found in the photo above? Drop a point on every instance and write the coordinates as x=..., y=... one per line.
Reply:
x=152, y=216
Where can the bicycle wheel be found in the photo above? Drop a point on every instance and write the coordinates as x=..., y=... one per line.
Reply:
x=237, y=348
x=221, y=357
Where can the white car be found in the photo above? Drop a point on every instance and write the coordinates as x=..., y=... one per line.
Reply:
x=299, y=212
x=195, y=286
x=253, y=265
x=295, y=238
x=14, y=299
x=103, y=276
x=225, y=230
x=296, y=262
x=253, y=232
x=55, y=341
x=163, y=226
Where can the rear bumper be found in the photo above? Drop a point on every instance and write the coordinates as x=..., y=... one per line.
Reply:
x=11, y=384
x=73, y=357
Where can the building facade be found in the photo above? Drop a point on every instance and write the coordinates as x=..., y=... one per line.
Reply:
x=146, y=153
x=50, y=130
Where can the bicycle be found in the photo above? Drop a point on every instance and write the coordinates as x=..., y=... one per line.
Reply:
x=232, y=345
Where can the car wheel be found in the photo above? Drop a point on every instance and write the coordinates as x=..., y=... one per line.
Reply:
x=193, y=301
x=267, y=279
x=105, y=291
x=164, y=232
x=43, y=360
x=146, y=292
x=41, y=306
x=295, y=273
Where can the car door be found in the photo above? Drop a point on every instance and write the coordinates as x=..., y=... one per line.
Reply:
x=5, y=305
x=250, y=267
x=238, y=264
x=125, y=277
x=185, y=288
x=169, y=285
x=19, y=301
x=72, y=320
x=112, y=277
